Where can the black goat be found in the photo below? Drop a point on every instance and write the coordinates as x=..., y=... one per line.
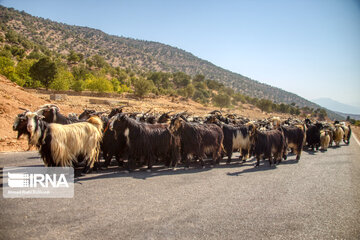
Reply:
x=143, y=141
x=198, y=140
x=268, y=144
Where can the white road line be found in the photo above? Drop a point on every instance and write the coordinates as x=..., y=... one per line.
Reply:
x=356, y=139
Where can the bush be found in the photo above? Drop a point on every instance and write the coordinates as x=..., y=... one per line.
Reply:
x=22, y=69
x=189, y=91
x=35, y=55
x=98, y=84
x=142, y=86
x=17, y=52
x=238, y=98
x=221, y=100
x=63, y=80
x=124, y=88
x=265, y=105
x=116, y=84
x=44, y=71
x=200, y=97
x=214, y=85
x=160, y=79
x=6, y=66
x=12, y=36
x=78, y=85
x=6, y=53
x=180, y=79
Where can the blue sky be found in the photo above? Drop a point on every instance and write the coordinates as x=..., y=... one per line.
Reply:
x=308, y=47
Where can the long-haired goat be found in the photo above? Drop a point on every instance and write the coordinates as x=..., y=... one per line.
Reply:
x=324, y=139
x=143, y=141
x=20, y=126
x=236, y=137
x=52, y=114
x=338, y=134
x=66, y=145
x=198, y=140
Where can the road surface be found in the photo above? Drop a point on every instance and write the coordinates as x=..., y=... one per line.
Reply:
x=315, y=198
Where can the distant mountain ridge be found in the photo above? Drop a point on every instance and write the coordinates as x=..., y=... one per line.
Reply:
x=337, y=106
x=138, y=54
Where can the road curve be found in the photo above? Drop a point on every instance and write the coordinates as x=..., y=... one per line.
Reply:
x=315, y=198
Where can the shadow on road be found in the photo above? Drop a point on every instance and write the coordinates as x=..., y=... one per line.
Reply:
x=254, y=169
x=157, y=170
x=263, y=167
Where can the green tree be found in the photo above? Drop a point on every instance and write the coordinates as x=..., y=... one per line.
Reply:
x=63, y=80
x=35, y=55
x=116, y=84
x=199, y=78
x=98, y=84
x=265, y=105
x=73, y=57
x=189, y=90
x=160, y=79
x=6, y=53
x=18, y=52
x=180, y=79
x=142, y=86
x=238, y=97
x=221, y=100
x=7, y=68
x=78, y=85
x=22, y=69
x=99, y=61
x=44, y=71
x=12, y=36
x=211, y=84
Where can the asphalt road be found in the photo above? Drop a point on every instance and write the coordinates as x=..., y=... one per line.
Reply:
x=315, y=198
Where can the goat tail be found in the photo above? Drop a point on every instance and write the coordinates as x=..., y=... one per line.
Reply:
x=222, y=149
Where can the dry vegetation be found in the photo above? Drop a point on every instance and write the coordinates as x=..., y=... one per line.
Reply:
x=12, y=97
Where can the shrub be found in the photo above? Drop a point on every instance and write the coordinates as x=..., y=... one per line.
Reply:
x=78, y=85
x=63, y=80
x=22, y=69
x=189, y=91
x=221, y=100
x=98, y=84
x=142, y=86
x=180, y=79
x=44, y=71
x=124, y=88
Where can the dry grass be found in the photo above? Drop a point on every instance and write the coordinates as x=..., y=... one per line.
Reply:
x=12, y=97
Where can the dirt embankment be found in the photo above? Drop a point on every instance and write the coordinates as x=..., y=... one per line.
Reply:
x=12, y=97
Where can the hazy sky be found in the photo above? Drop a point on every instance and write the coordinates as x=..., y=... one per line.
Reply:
x=308, y=47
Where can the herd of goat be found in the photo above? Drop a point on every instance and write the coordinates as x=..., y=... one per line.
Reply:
x=144, y=139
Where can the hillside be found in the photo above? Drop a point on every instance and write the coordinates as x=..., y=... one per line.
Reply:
x=337, y=106
x=13, y=97
x=137, y=55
